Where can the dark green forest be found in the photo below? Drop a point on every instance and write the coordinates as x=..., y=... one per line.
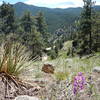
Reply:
x=39, y=28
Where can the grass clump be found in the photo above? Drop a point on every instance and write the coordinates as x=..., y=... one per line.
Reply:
x=13, y=58
x=61, y=75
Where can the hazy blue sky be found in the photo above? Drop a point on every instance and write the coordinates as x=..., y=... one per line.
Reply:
x=52, y=3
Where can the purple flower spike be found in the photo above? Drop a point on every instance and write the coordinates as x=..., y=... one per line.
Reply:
x=79, y=83
x=80, y=73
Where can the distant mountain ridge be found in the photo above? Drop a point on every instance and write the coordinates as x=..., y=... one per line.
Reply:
x=55, y=17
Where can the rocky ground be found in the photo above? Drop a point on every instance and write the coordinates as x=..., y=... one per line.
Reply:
x=11, y=87
x=47, y=88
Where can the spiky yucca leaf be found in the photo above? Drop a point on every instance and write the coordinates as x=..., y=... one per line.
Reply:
x=14, y=58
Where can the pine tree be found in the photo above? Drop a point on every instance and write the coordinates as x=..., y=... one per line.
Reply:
x=96, y=31
x=34, y=42
x=41, y=24
x=7, y=18
x=30, y=37
x=27, y=22
x=42, y=27
x=83, y=42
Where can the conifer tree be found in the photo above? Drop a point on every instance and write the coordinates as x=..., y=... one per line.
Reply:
x=7, y=18
x=83, y=42
x=30, y=37
x=42, y=27
x=27, y=22
x=96, y=31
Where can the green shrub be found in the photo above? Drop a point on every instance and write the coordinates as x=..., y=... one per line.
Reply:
x=52, y=54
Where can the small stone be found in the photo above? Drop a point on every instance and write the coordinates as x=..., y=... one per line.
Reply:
x=25, y=97
x=48, y=68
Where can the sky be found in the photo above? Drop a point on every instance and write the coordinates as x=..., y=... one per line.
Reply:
x=52, y=3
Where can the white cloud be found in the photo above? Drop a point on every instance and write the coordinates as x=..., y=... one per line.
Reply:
x=0, y=2
x=56, y=3
x=97, y=3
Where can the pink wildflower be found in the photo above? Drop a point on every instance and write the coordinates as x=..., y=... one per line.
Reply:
x=79, y=83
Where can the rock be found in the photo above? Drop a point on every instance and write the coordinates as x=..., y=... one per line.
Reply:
x=69, y=60
x=25, y=97
x=96, y=69
x=48, y=68
x=98, y=85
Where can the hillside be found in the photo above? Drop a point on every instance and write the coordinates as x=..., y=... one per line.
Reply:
x=55, y=18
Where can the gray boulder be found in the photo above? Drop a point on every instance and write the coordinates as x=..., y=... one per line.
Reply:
x=96, y=69
x=25, y=97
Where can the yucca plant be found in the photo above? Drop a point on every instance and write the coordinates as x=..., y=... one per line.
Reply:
x=14, y=57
